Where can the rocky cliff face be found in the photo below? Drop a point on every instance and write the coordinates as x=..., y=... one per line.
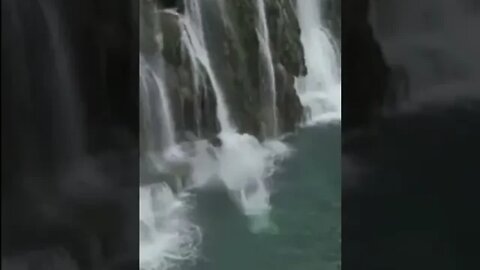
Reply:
x=289, y=60
x=233, y=42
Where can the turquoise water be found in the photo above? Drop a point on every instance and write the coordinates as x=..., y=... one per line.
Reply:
x=306, y=211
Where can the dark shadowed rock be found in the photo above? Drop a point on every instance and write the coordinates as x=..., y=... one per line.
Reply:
x=216, y=142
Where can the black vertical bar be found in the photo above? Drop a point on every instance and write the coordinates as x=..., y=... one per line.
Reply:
x=410, y=124
x=70, y=170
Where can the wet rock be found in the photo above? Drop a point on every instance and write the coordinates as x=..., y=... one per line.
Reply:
x=216, y=142
x=291, y=111
x=231, y=33
x=285, y=36
x=171, y=38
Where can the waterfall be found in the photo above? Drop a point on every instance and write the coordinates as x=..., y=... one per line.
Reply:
x=194, y=40
x=242, y=163
x=167, y=237
x=152, y=85
x=320, y=90
x=265, y=51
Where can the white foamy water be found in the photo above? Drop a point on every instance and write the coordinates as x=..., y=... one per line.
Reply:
x=243, y=165
x=320, y=90
x=167, y=237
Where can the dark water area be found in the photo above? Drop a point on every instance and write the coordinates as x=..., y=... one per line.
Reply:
x=409, y=207
x=306, y=213
x=408, y=188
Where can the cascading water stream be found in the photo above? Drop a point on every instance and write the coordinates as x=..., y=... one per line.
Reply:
x=167, y=237
x=153, y=87
x=320, y=90
x=193, y=39
x=242, y=163
x=266, y=53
